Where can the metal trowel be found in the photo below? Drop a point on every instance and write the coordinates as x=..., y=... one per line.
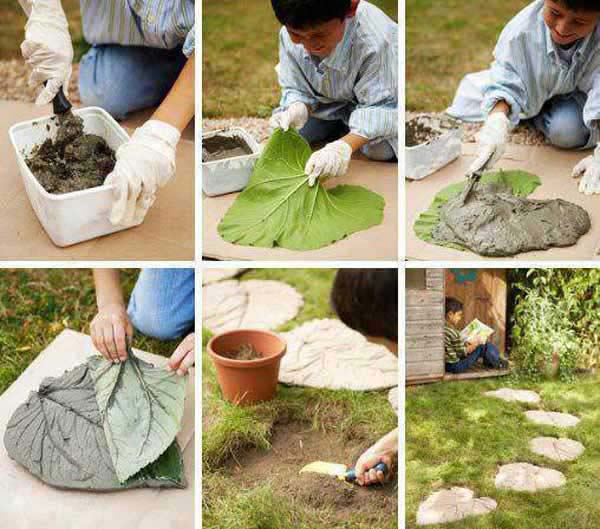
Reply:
x=60, y=103
x=472, y=179
x=338, y=470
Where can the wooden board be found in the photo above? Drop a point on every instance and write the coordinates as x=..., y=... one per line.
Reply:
x=167, y=233
x=474, y=374
x=484, y=299
x=378, y=243
x=28, y=503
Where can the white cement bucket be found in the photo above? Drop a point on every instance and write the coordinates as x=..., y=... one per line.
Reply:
x=231, y=174
x=78, y=216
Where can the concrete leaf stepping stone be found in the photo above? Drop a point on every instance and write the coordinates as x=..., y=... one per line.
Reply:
x=255, y=304
x=515, y=395
x=393, y=399
x=525, y=477
x=556, y=449
x=451, y=505
x=552, y=418
x=328, y=354
x=212, y=275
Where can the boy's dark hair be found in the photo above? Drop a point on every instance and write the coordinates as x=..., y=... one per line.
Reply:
x=367, y=300
x=581, y=5
x=300, y=14
x=453, y=305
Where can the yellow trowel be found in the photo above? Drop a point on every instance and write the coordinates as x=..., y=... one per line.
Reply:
x=338, y=470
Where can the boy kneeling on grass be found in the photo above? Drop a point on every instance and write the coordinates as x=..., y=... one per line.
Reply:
x=338, y=71
x=547, y=69
x=461, y=356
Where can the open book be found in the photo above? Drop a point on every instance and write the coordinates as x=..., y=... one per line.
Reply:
x=475, y=330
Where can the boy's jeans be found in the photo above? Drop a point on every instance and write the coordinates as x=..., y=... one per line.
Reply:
x=322, y=130
x=123, y=79
x=162, y=302
x=489, y=352
x=561, y=122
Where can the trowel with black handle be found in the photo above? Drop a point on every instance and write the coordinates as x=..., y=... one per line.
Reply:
x=339, y=471
x=60, y=103
x=472, y=179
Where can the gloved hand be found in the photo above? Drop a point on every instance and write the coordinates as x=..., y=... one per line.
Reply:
x=145, y=163
x=589, y=168
x=47, y=48
x=296, y=115
x=331, y=160
x=491, y=141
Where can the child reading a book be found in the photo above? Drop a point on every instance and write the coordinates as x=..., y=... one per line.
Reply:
x=462, y=352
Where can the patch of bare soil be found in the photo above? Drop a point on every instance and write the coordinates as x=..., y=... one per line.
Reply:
x=294, y=446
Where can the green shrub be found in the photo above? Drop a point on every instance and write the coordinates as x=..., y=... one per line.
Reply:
x=556, y=313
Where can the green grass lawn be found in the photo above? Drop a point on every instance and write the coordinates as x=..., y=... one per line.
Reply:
x=12, y=28
x=457, y=437
x=239, y=53
x=446, y=39
x=228, y=429
x=36, y=305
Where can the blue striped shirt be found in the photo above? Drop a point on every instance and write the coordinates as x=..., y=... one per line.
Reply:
x=357, y=83
x=153, y=23
x=529, y=69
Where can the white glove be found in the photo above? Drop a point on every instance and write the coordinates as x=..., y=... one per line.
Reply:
x=491, y=141
x=296, y=115
x=47, y=48
x=589, y=168
x=145, y=163
x=331, y=160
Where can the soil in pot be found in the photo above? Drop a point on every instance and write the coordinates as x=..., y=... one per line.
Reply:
x=418, y=132
x=244, y=352
x=221, y=147
x=72, y=161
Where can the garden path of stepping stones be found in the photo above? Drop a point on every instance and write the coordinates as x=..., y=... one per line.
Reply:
x=457, y=503
x=328, y=354
x=257, y=304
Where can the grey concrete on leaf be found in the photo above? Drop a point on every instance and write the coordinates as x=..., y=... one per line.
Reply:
x=515, y=395
x=553, y=418
x=556, y=449
x=525, y=477
x=451, y=505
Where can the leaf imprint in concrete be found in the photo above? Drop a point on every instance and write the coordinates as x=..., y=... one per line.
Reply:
x=328, y=354
x=528, y=478
x=556, y=449
x=255, y=304
x=518, y=395
x=552, y=418
x=451, y=505
x=212, y=275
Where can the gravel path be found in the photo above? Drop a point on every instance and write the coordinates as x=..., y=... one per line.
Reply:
x=14, y=75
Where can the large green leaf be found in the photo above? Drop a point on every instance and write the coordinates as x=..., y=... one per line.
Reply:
x=521, y=183
x=278, y=208
x=141, y=407
x=57, y=435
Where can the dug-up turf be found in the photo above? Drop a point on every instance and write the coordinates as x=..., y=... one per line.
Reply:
x=332, y=501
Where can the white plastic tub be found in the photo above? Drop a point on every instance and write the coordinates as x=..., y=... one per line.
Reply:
x=231, y=174
x=427, y=158
x=74, y=217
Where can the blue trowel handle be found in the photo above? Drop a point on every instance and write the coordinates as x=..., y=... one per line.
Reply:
x=351, y=475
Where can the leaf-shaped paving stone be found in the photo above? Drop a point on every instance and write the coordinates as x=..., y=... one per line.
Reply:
x=141, y=407
x=278, y=208
x=57, y=435
x=256, y=303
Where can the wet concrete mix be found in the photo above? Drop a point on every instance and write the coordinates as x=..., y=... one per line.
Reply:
x=72, y=161
x=494, y=222
x=221, y=147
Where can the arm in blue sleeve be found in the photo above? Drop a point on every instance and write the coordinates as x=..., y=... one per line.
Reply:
x=189, y=44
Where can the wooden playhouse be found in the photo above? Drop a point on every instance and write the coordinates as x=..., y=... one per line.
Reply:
x=483, y=293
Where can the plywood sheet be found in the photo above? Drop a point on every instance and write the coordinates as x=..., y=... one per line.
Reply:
x=27, y=503
x=166, y=234
x=377, y=243
x=552, y=165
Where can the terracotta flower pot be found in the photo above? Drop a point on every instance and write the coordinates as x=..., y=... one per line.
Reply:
x=247, y=381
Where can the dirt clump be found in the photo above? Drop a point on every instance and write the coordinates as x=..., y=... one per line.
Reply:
x=72, y=161
x=220, y=147
x=245, y=352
